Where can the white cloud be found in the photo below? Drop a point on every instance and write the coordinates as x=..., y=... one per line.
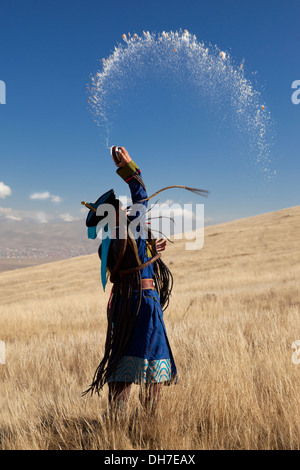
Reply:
x=5, y=210
x=68, y=217
x=13, y=217
x=46, y=195
x=169, y=202
x=41, y=217
x=56, y=199
x=33, y=216
x=13, y=214
x=4, y=190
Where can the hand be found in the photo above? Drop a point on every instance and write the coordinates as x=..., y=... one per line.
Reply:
x=161, y=244
x=124, y=157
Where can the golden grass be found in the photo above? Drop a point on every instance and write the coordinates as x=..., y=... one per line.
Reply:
x=232, y=320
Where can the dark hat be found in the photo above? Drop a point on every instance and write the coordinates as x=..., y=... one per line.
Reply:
x=92, y=222
x=93, y=219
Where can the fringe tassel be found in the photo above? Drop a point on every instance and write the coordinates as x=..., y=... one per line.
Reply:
x=199, y=192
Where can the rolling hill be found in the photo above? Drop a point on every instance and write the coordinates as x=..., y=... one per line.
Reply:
x=254, y=247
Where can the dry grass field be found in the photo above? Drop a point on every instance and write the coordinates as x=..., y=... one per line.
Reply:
x=233, y=317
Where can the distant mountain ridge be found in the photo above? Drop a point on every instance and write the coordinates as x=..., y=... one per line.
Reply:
x=24, y=244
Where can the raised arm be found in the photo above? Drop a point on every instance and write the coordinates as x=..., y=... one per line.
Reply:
x=131, y=174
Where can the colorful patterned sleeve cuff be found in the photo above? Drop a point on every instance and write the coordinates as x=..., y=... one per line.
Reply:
x=127, y=171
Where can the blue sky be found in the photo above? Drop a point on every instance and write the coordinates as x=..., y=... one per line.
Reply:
x=52, y=153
